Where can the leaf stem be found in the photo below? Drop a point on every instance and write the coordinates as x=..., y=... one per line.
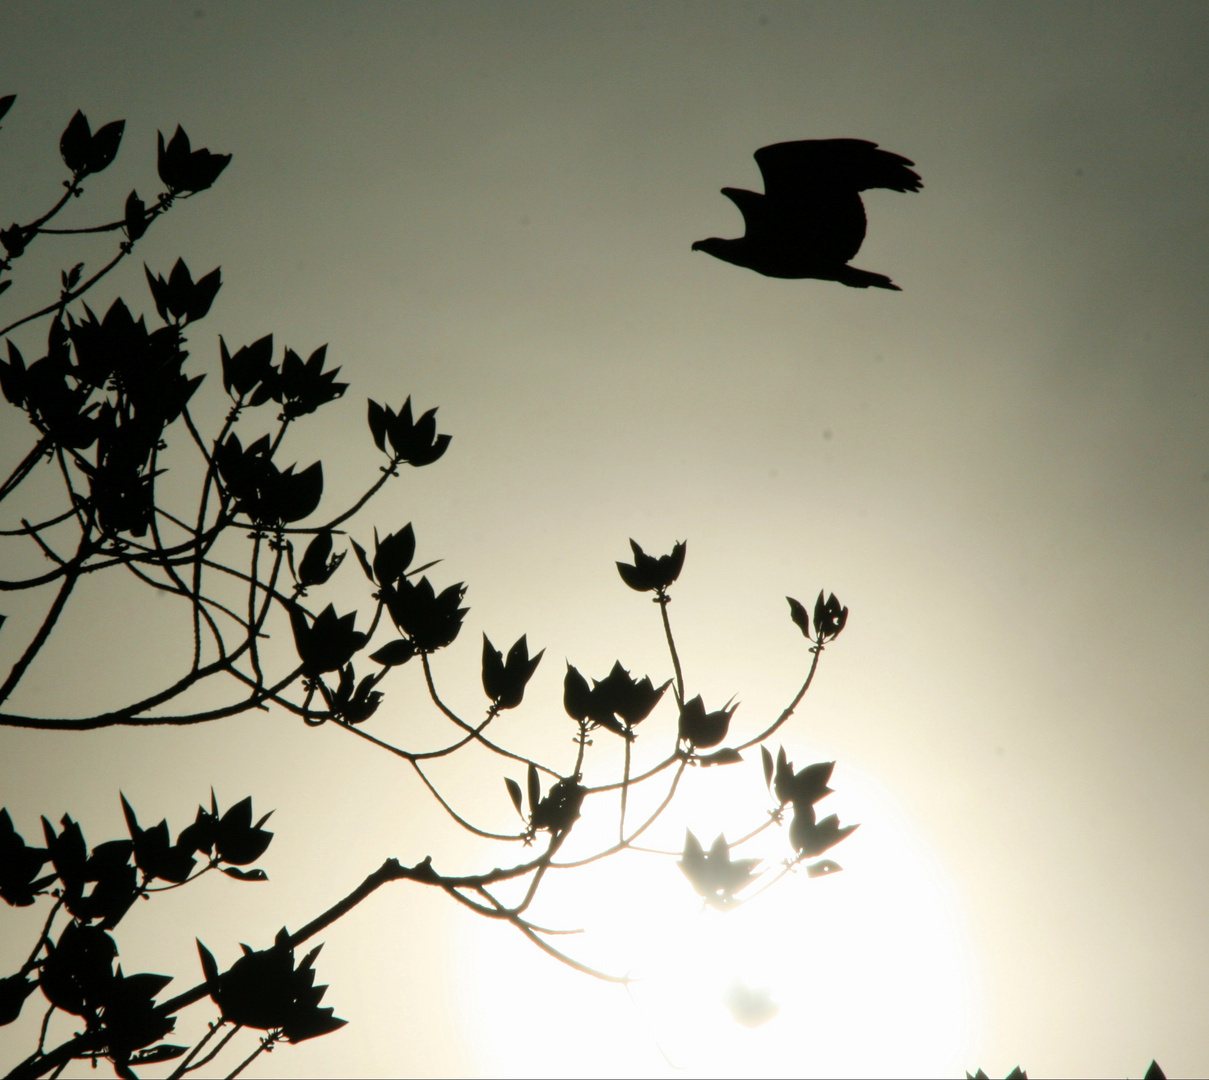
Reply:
x=817, y=650
x=662, y=599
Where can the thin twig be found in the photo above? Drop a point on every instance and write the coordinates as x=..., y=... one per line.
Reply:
x=28, y=530
x=662, y=599
x=25, y=467
x=266, y=1043
x=48, y=624
x=817, y=650
x=625, y=785
x=432, y=692
x=218, y=1049
x=183, y=1065
x=43, y=938
x=129, y=717
x=454, y=814
x=70, y=294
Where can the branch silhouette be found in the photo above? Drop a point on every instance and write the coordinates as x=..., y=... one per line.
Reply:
x=243, y=538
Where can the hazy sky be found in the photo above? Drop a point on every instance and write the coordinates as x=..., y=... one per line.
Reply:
x=1003, y=470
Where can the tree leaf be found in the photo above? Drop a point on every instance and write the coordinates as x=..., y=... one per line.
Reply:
x=104, y=145
x=394, y=652
x=727, y=756
x=208, y=963
x=535, y=788
x=136, y=216
x=514, y=793
x=132, y=822
x=74, y=143
x=377, y=424
x=163, y=1052
x=798, y=613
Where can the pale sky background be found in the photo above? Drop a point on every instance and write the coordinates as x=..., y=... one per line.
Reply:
x=1002, y=470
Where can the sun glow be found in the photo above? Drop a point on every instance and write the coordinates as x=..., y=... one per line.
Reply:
x=869, y=969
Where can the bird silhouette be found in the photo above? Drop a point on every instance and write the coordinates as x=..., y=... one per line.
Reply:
x=810, y=221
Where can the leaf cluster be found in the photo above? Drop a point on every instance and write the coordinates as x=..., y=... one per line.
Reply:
x=700, y=728
x=112, y=387
x=413, y=441
x=264, y=989
x=269, y=496
x=87, y=152
x=185, y=170
x=616, y=703
x=650, y=573
x=802, y=790
x=298, y=386
x=829, y=618
x=76, y=970
x=556, y=811
x=504, y=681
x=714, y=874
x=107, y=398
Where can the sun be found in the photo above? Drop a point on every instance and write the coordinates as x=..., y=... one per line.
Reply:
x=862, y=973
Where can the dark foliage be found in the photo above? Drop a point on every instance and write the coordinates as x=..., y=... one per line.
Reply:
x=714, y=874
x=107, y=397
x=263, y=989
x=649, y=574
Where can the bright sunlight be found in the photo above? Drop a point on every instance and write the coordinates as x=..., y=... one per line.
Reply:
x=860, y=973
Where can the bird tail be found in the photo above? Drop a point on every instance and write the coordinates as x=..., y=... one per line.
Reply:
x=863, y=279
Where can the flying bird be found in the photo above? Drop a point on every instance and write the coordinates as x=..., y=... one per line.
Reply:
x=810, y=221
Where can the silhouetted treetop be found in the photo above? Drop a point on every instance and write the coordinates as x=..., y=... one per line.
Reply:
x=221, y=517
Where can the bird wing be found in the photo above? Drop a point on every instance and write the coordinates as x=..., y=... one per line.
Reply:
x=825, y=223
x=751, y=206
x=791, y=169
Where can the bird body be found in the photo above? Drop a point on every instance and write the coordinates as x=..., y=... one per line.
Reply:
x=810, y=221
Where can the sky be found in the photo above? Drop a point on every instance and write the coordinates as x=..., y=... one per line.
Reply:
x=1002, y=470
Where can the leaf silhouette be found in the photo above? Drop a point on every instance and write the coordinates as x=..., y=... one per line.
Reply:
x=317, y=564
x=184, y=169
x=829, y=618
x=798, y=613
x=701, y=728
x=13, y=991
x=430, y=620
x=504, y=681
x=535, y=788
x=514, y=793
x=811, y=839
x=263, y=989
x=651, y=574
x=559, y=810
x=713, y=874
x=19, y=865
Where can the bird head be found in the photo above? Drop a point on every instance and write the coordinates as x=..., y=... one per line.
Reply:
x=713, y=245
